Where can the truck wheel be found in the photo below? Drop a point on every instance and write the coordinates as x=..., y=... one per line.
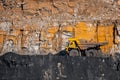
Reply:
x=98, y=53
x=90, y=53
x=74, y=53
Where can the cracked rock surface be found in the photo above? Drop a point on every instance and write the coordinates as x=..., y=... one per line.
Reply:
x=43, y=14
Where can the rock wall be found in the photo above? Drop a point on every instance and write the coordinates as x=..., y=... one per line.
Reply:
x=39, y=15
x=16, y=67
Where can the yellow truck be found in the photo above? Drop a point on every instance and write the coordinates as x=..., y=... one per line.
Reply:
x=90, y=40
x=78, y=47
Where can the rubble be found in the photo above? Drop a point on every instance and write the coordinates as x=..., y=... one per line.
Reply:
x=51, y=67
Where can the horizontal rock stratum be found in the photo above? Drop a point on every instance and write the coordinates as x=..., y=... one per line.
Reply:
x=35, y=17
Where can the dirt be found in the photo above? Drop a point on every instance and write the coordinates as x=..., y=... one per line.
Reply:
x=54, y=67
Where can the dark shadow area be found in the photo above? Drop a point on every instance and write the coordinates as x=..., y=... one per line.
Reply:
x=54, y=67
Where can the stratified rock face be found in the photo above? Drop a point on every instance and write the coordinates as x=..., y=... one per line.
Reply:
x=16, y=67
x=43, y=14
x=17, y=10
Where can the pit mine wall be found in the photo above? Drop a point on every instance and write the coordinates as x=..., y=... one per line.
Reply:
x=51, y=67
x=43, y=14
